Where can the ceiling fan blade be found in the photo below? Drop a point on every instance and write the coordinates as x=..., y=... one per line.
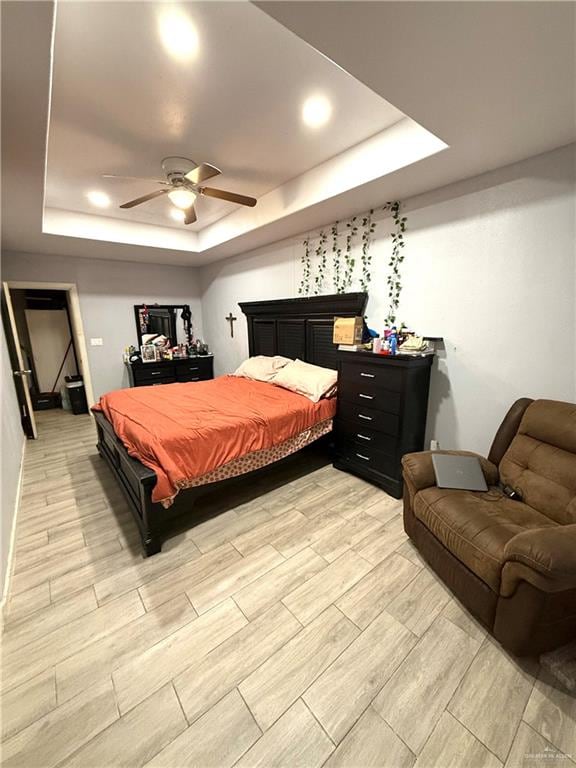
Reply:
x=144, y=198
x=190, y=217
x=132, y=178
x=202, y=173
x=232, y=197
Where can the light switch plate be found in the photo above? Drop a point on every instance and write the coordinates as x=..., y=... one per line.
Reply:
x=96, y=342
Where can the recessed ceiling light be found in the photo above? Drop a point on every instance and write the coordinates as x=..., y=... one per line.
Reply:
x=99, y=199
x=316, y=111
x=178, y=34
x=182, y=198
x=177, y=214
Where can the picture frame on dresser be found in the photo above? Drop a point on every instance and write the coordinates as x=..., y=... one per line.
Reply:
x=149, y=353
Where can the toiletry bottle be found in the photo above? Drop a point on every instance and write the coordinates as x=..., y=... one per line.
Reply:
x=393, y=342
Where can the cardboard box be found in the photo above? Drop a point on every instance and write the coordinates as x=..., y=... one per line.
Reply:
x=347, y=330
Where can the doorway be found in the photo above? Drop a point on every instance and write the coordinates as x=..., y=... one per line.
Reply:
x=47, y=349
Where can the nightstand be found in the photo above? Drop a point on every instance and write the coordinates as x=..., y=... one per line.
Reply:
x=198, y=368
x=382, y=404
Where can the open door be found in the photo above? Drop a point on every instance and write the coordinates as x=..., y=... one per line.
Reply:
x=19, y=372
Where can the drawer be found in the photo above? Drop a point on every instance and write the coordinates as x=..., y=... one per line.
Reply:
x=364, y=416
x=152, y=374
x=154, y=382
x=366, y=457
x=193, y=372
x=371, y=394
x=363, y=435
x=378, y=374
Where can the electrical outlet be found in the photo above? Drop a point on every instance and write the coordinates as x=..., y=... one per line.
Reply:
x=434, y=445
x=96, y=342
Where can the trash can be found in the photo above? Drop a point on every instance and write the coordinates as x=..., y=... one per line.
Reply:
x=77, y=395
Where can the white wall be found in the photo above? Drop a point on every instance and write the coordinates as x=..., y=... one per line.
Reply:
x=490, y=266
x=12, y=451
x=108, y=291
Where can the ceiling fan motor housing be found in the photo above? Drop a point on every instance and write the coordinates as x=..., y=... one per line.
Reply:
x=177, y=167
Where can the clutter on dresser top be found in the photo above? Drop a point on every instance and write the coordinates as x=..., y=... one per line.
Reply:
x=352, y=334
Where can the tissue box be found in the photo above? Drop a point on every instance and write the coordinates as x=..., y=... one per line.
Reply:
x=347, y=330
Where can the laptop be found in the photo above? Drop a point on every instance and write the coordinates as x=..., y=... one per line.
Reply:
x=463, y=472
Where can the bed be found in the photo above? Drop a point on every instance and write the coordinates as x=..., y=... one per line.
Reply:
x=210, y=412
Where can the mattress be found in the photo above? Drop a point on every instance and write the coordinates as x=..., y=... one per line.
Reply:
x=191, y=434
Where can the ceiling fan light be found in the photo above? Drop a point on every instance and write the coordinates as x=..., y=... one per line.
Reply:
x=182, y=198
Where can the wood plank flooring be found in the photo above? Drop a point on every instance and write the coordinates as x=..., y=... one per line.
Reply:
x=297, y=628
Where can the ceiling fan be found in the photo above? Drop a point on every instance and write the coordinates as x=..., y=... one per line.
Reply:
x=183, y=183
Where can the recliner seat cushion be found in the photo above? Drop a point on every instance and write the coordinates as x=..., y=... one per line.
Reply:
x=476, y=527
x=541, y=460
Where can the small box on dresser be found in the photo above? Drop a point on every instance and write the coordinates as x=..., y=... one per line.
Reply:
x=382, y=405
x=198, y=368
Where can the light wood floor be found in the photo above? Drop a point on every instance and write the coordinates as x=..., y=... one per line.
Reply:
x=297, y=628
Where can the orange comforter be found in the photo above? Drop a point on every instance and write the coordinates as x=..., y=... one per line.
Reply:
x=183, y=431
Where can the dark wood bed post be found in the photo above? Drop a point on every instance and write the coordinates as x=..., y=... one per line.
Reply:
x=300, y=328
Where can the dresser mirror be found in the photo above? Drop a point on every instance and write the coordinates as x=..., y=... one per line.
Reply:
x=171, y=320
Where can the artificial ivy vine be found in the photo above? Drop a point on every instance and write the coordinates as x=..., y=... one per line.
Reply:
x=344, y=262
x=368, y=230
x=336, y=257
x=393, y=279
x=349, y=259
x=321, y=256
x=306, y=269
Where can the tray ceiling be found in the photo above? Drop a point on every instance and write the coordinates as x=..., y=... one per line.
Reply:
x=220, y=82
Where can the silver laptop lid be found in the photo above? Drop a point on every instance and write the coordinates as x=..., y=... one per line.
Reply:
x=463, y=472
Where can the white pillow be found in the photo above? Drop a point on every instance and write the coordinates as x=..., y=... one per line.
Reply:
x=312, y=381
x=261, y=368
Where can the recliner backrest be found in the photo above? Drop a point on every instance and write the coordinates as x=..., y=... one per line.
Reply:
x=541, y=460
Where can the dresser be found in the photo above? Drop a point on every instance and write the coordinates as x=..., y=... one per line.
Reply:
x=168, y=371
x=382, y=404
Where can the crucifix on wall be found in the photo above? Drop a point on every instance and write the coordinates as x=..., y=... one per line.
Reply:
x=231, y=319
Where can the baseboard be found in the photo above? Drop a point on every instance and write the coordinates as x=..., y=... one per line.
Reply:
x=10, y=562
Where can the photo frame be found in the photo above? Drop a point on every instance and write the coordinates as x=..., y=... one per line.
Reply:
x=149, y=353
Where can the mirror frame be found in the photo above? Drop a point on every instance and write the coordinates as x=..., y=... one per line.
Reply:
x=177, y=307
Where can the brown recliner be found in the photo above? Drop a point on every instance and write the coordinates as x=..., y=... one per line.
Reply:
x=512, y=563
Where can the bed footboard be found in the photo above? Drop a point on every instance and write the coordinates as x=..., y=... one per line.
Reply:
x=136, y=481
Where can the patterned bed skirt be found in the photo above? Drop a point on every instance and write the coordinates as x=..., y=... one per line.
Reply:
x=258, y=459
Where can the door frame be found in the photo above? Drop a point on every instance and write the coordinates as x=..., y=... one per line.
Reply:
x=19, y=374
x=76, y=322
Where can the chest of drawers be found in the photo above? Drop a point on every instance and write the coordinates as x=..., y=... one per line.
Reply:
x=382, y=404
x=170, y=371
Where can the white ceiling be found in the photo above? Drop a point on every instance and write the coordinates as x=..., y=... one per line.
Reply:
x=121, y=102
x=494, y=80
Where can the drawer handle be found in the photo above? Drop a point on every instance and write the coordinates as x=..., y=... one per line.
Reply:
x=366, y=397
x=368, y=375
x=193, y=368
x=369, y=439
x=361, y=456
x=366, y=418
x=156, y=373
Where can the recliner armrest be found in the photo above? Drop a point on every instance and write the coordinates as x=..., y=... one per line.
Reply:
x=550, y=552
x=419, y=470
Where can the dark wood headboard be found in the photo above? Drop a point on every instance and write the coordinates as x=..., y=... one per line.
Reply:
x=300, y=327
